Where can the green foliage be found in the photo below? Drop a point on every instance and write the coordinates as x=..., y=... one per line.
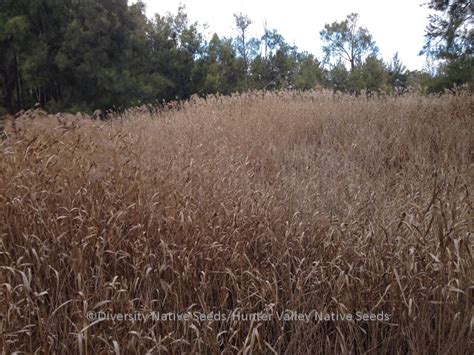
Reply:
x=309, y=73
x=217, y=70
x=397, y=74
x=83, y=55
x=339, y=78
x=346, y=42
x=419, y=80
x=450, y=32
x=278, y=66
x=454, y=73
x=450, y=39
x=88, y=54
x=351, y=54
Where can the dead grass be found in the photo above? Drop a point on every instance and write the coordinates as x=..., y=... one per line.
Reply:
x=252, y=203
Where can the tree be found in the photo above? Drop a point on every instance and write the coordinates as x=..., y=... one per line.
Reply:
x=272, y=41
x=419, y=80
x=371, y=76
x=338, y=78
x=242, y=22
x=450, y=39
x=452, y=73
x=30, y=35
x=346, y=42
x=309, y=73
x=184, y=45
x=397, y=74
x=95, y=53
x=13, y=34
x=277, y=67
x=217, y=68
x=450, y=32
x=242, y=45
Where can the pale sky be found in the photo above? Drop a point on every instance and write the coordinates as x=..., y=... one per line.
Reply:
x=397, y=26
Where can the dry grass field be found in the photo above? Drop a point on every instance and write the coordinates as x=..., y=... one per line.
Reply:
x=227, y=212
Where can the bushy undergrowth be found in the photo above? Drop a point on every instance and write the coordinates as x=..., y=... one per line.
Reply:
x=252, y=203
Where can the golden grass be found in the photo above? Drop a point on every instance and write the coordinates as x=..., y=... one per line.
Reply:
x=251, y=203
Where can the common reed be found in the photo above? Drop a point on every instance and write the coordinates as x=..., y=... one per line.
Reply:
x=259, y=202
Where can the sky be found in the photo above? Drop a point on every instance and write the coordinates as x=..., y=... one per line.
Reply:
x=396, y=26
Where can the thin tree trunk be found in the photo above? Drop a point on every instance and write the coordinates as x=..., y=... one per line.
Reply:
x=17, y=82
x=20, y=81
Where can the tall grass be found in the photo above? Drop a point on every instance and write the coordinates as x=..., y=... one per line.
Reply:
x=254, y=203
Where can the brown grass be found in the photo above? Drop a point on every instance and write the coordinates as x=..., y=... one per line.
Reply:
x=305, y=202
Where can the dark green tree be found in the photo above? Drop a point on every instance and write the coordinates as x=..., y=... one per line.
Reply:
x=397, y=74
x=309, y=73
x=450, y=39
x=338, y=78
x=277, y=66
x=31, y=33
x=14, y=31
x=371, y=76
x=177, y=44
x=450, y=32
x=218, y=67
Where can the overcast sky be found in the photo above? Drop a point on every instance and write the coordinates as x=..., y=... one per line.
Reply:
x=397, y=26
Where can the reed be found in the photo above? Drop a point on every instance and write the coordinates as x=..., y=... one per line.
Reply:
x=255, y=203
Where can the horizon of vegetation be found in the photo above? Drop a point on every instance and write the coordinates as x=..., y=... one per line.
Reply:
x=87, y=55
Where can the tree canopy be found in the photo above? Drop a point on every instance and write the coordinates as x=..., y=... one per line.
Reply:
x=347, y=42
x=82, y=55
x=450, y=39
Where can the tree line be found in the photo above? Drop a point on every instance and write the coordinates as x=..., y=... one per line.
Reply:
x=79, y=55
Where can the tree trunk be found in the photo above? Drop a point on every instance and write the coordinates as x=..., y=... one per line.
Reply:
x=17, y=83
